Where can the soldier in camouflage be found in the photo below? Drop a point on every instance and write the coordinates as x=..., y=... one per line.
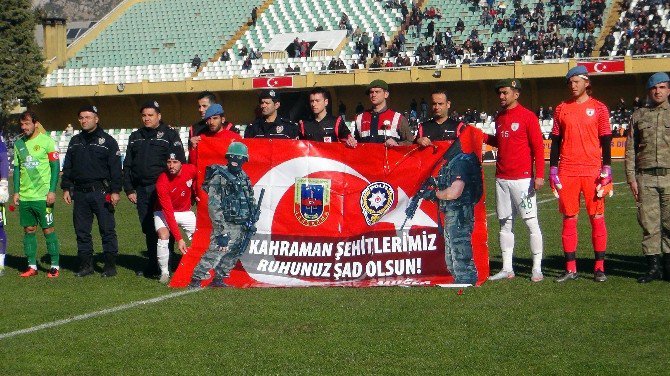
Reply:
x=233, y=211
x=648, y=175
x=459, y=188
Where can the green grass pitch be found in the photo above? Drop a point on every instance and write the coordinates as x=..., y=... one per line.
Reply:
x=505, y=328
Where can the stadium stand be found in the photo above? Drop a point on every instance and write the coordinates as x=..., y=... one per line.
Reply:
x=154, y=40
x=642, y=29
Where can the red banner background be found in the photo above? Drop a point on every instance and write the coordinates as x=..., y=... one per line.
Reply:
x=276, y=164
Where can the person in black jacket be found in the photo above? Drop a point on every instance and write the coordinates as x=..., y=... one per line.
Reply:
x=270, y=124
x=148, y=149
x=92, y=179
x=322, y=126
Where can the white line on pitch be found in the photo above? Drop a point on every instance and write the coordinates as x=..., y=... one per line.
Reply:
x=89, y=315
x=552, y=198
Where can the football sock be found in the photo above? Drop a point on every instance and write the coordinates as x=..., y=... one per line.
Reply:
x=163, y=255
x=52, y=248
x=2, y=260
x=30, y=248
x=507, y=243
x=599, y=240
x=569, y=237
x=536, y=246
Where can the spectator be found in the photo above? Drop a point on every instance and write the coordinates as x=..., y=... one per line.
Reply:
x=225, y=56
x=195, y=63
x=246, y=65
x=254, y=15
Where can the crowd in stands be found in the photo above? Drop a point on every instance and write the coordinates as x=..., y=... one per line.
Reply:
x=640, y=29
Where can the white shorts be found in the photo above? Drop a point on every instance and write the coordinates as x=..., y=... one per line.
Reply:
x=185, y=220
x=515, y=197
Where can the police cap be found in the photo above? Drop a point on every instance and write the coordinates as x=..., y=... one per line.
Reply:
x=87, y=108
x=151, y=104
x=269, y=94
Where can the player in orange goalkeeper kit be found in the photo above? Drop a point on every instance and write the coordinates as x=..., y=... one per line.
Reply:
x=580, y=165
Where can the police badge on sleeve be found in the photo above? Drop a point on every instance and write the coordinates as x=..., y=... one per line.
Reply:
x=311, y=204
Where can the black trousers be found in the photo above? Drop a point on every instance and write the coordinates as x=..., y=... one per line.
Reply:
x=146, y=203
x=86, y=205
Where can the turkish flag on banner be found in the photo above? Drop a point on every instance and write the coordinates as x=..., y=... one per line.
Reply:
x=333, y=216
x=605, y=66
x=272, y=82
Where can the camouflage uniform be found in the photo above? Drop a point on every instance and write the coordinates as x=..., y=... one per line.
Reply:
x=648, y=163
x=459, y=215
x=231, y=203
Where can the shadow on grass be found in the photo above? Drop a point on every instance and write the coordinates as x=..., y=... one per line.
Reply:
x=625, y=266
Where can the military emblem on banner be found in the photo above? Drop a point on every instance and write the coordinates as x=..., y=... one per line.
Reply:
x=376, y=200
x=311, y=204
x=515, y=126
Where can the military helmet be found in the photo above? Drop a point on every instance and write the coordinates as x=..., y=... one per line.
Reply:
x=239, y=149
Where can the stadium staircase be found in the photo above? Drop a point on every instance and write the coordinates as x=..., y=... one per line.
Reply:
x=612, y=18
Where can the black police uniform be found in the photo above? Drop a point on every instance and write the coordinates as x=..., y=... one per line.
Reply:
x=146, y=156
x=91, y=171
x=324, y=130
x=448, y=130
x=280, y=128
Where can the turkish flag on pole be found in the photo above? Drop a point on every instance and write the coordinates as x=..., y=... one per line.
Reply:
x=605, y=66
x=272, y=82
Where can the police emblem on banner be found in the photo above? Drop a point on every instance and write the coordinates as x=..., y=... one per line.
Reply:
x=376, y=200
x=515, y=126
x=311, y=204
x=590, y=111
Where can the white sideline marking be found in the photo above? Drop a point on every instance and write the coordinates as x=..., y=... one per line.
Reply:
x=89, y=315
x=539, y=202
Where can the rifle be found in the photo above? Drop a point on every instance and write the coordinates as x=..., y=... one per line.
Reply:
x=249, y=229
x=426, y=188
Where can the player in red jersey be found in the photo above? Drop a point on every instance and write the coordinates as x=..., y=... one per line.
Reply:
x=581, y=141
x=174, y=188
x=217, y=127
x=519, y=141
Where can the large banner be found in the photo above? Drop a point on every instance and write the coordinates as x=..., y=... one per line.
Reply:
x=333, y=216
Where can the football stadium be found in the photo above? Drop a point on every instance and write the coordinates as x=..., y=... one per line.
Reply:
x=436, y=227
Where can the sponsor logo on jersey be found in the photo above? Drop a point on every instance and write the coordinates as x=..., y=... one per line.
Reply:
x=590, y=111
x=515, y=126
x=311, y=204
x=376, y=200
x=30, y=162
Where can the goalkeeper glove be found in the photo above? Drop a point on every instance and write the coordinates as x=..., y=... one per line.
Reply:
x=604, y=183
x=554, y=182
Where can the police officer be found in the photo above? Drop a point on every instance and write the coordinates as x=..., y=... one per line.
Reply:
x=270, y=124
x=440, y=127
x=648, y=175
x=233, y=211
x=380, y=124
x=92, y=179
x=148, y=149
x=323, y=126
x=459, y=188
